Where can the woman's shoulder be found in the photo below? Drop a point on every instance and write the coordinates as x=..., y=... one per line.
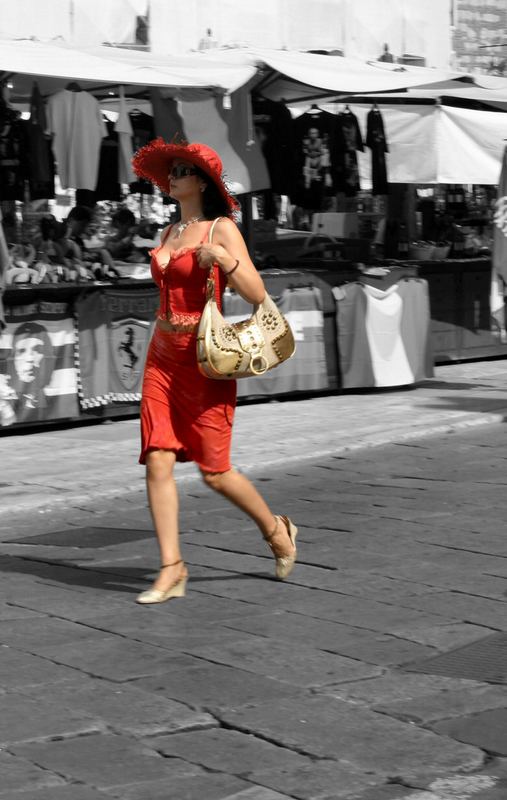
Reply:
x=224, y=226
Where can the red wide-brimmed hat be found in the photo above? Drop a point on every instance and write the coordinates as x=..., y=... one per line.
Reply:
x=154, y=160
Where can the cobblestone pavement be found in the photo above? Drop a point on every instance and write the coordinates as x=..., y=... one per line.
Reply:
x=331, y=685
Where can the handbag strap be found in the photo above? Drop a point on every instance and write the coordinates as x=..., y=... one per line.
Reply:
x=213, y=283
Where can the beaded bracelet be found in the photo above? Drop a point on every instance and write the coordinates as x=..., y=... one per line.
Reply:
x=236, y=265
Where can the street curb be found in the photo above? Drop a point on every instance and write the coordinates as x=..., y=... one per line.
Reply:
x=394, y=437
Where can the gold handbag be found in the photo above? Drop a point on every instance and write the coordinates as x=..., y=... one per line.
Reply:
x=229, y=350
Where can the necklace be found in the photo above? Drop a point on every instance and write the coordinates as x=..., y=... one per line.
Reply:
x=184, y=225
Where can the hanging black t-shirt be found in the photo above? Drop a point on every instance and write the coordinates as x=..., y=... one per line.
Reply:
x=275, y=131
x=108, y=186
x=143, y=132
x=315, y=137
x=376, y=141
x=41, y=177
x=14, y=149
x=348, y=141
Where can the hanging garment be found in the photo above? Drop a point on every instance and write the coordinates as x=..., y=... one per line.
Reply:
x=243, y=139
x=204, y=123
x=274, y=128
x=108, y=186
x=168, y=122
x=14, y=145
x=376, y=141
x=348, y=142
x=383, y=334
x=41, y=172
x=125, y=151
x=76, y=123
x=315, y=166
x=144, y=131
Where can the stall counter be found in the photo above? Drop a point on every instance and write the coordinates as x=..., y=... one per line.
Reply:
x=76, y=351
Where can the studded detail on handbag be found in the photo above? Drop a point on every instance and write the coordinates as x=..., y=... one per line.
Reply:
x=230, y=350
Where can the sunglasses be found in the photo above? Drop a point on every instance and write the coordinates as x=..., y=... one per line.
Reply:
x=181, y=171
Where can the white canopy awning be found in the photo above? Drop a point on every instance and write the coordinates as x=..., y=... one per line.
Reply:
x=54, y=64
x=294, y=76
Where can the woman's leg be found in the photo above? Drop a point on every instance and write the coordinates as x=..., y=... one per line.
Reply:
x=240, y=491
x=163, y=500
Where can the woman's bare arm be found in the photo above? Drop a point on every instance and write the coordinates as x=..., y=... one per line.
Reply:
x=230, y=252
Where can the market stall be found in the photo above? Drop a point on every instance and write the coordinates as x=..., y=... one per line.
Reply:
x=79, y=310
x=75, y=345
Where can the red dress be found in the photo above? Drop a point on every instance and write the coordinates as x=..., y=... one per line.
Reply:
x=182, y=410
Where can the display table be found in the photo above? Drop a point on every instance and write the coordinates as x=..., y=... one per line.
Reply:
x=459, y=292
x=75, y=351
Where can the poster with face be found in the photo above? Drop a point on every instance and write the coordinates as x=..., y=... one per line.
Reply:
x=37, y=373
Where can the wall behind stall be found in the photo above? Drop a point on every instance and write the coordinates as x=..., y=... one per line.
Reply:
x=82, y=22
x=358, y=27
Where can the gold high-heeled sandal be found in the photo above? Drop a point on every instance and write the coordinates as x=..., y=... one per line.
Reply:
x=177, y=589
x=284, y=563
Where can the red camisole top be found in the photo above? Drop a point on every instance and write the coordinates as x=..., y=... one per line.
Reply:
x=182, y=283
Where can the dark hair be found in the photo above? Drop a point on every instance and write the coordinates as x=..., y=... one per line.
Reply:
x=124, y=216
x=48, y=225
x=80, y=214
x=213, y=203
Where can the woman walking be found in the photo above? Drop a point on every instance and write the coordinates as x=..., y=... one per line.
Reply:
x=184, y=415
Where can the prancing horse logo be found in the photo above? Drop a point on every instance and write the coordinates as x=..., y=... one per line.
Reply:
x=129, y=339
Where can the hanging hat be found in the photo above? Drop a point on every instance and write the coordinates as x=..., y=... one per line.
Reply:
x=153, y=161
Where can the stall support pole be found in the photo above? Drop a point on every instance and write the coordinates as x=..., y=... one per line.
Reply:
x=247, y=223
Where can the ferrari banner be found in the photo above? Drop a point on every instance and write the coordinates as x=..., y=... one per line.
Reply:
x=114, y=329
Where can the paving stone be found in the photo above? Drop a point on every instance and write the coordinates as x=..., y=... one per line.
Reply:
x=192, y=787
x=214, y=686
x=445, y=705
x=239, y=754
x=321, y=780
x=276, y=660
x=162, y=629
x=486, y=729
x=25, y=719
x=463, y=607
x=66, y=603
x=334, y=637
x=204, y=607
x=34, y=635
x=329, y=728
x=398, y=687
x=8, y=611
x=18, y=774
x=116, y=658
x=125, y=708
x=101, y=760
x=257, y=793
x=73, y=792
x=444, y=637
x=19, y=669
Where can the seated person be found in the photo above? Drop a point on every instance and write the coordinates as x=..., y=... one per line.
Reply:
x=48, y=242
x=99, y=260
x=119, y=244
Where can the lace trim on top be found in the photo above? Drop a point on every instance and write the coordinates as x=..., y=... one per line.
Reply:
x=180, y=251
x=182, y=318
